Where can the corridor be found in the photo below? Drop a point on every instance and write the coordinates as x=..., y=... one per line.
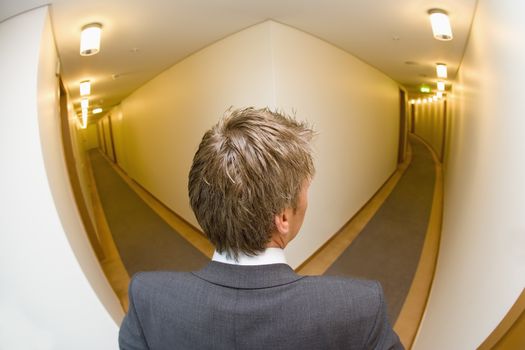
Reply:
x=418, y=148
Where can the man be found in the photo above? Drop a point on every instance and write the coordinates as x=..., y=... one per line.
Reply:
x=248, y=188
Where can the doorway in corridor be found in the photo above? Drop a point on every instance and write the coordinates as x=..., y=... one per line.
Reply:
x=402, y=127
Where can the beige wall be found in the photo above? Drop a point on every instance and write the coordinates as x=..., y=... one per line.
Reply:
x=430, y=124
x=89, y=136
x=164, y=120
x=81, y=142
x=355, y=109
x=53, y=292
x=481, y=266
x=353, y=106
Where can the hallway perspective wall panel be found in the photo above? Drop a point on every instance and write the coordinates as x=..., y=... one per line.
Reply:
x=163, y=121
x=481, y=265
x=53, y=291
x=354, y=106
x=355, y=109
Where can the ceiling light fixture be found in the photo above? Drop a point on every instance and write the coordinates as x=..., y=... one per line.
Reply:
x=97, y=110
x=440, y=24
x=424, y=100
x=90, y=39
x=84, y=118
x=412, y=101
x=441, y=85
x=441, y=70
x=85, y=88
x=84, y=103
x=418, y=101
x=439, y=94
x=424, y=89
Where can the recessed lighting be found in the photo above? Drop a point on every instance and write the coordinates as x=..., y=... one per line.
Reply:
x=441, y=70
x=439, y=94
x=85, y=88
x=97, y=110
x=440, y=24
x=441, y=85
x=84, y=103
x=90, y=39
x=84, y=118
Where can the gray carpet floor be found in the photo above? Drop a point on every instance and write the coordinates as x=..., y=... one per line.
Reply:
x=389, y=247
x=144, y=240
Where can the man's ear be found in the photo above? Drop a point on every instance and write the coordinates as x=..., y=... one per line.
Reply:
x=282, y=224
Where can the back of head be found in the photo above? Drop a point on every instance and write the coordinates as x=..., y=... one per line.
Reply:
x=249, y=167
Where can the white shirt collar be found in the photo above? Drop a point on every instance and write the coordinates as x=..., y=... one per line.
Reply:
x=269, y=256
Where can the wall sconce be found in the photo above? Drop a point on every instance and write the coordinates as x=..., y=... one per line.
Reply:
x=85, y=88
x=90, y=39
x=440, y=24
x=441, y=70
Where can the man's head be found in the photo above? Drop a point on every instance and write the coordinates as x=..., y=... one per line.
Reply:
x=250, y=168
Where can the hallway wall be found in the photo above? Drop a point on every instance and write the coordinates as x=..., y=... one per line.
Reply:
x=89, y=137
x=161, y=123
x=429, y=124
x=481, y=265
x=53, y=291
x=355, y=109
x=353, y=106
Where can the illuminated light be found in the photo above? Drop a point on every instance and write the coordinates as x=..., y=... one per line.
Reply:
x=90, y=39
x=84, y=118
x=424, y=89
x=441, y=70
x=84, y=103
x=439, y=94
x=412, y=101
x=440, y=24
x=97, y=110
x=418, y=101
x=435, y=98
x=85, y=88
x=441, y=85
x=424, y=100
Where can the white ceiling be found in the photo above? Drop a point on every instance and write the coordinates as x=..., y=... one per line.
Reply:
x=141, y=38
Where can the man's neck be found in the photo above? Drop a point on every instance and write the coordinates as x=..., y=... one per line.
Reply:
x=269, y=256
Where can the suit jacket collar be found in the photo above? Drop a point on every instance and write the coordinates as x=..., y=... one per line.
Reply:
x=247, y=277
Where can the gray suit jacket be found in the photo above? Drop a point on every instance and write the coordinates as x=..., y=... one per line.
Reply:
x=254, y=307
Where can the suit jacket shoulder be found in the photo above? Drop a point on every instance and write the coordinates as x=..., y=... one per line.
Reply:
x=254, y=307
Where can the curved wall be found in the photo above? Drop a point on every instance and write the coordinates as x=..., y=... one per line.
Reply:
x=481, y=265
x=429, y=119
x=353, y=106
x=53, y=293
